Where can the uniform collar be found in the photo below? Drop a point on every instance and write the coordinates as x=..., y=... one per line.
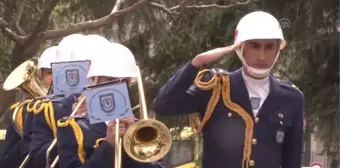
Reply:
x=239, y=93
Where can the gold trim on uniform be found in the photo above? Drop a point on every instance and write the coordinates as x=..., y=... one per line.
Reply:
x=220, y=85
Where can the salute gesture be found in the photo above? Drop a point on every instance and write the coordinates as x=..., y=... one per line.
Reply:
x=213, y=55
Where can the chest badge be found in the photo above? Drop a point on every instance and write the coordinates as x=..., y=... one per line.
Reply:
x=255, y=102
x=280, y=135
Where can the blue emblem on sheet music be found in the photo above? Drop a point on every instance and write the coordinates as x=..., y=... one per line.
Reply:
x=69, y=77
x=108, y=102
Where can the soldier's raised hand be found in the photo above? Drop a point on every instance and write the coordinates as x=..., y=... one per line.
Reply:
x=213, y=55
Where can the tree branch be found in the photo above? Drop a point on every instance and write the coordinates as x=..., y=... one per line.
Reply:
x=92, y=24
x=172, y=10
x=43, y=22
x=9, y=33
x=214, y=6
x=163, y=8
x=117, y=5
x=18, y=18
x=115, y=25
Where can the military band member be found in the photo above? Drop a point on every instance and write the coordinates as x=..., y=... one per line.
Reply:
x=44, y=132
x=81, y=144
x=16, y=145
x=249, y=118
x=44, y=65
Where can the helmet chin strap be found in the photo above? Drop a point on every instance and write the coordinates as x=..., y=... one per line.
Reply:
x=258, y=73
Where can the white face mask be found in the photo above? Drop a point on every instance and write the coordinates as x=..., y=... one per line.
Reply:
x=258, y=73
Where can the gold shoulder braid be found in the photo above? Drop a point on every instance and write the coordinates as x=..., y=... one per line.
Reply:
x=220, y=84
x=47, y=106
x=15, y=105
x=19, y=116
x=78, y=134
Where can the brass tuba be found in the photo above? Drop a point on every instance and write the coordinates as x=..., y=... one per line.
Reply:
x=26, y=79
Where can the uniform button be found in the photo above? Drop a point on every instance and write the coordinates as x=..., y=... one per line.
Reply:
x=254, y=141
x=257, y=120
x=230, y=114
x=251, y=163
x=281, y=122
x=280, y=115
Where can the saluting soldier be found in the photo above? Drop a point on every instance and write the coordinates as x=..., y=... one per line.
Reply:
x=249, y=118
x=44, y=131
x=81, y=144
x=18, y=132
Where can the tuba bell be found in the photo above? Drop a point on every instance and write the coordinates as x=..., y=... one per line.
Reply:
x=26, y=79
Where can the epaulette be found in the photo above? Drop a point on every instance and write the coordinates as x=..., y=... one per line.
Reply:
x=45, y=105
x=206, y=75
x=66, y=100
x=22, y=104
x=288, y=84
x=19, y=104
x=41, y=102
x=79, y=116
x=15, y=105
x=50, y=97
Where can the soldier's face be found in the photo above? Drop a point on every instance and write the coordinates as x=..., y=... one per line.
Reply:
x=46, y=76
x=261, y=53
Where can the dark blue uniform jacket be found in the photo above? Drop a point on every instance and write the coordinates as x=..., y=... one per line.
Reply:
x=277, y=134
x=101, y=156
x=42, y=131
x=16, y=145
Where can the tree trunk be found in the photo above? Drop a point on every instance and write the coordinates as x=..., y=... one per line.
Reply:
x=21, y=53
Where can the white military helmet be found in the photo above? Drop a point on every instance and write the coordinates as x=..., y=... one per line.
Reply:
x=258, y=25
x=115, y=60
x=46, y=58
x=67, y=45
x=88, y=47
